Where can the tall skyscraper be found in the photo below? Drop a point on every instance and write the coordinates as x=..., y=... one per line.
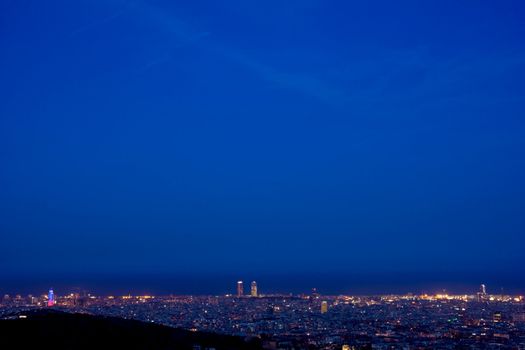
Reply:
x=240, y=289
x=482, y=294
x=483, y=289
x=324, y=307
x=254, y=289
x=51, y=298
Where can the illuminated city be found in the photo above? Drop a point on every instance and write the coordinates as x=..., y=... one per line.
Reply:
x=312, y=320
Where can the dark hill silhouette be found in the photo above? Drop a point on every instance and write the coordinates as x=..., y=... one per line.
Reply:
x=54, y=330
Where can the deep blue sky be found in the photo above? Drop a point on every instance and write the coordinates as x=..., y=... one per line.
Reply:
x=263, y=138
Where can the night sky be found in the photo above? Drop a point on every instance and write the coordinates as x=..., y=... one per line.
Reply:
x=179, y=146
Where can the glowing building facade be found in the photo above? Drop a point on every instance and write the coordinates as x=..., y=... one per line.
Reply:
x=240, y=289
x=482, y=294
x=51, y=298
x=254, y=289
x=324, y=307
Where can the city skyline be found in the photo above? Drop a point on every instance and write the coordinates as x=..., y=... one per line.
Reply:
x=479, y=292
x=312, y=321
x=480, y=295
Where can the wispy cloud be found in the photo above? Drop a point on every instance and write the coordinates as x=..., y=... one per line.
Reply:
x=166, y=57
x=306, y=84
x=102, y=21
x=409, y=76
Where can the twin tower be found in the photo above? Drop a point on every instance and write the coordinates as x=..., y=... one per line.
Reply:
x=240, y=289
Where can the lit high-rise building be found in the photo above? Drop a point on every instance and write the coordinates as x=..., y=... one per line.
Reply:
x=483, y=289
x=240, y=289
x=482, y=294
x=324, y=307
x=254, y=289
x=51, y=298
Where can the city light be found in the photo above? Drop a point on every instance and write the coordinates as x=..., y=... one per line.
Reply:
x=316, y=319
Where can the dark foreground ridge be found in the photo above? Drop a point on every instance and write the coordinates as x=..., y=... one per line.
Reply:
x=43, y=329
